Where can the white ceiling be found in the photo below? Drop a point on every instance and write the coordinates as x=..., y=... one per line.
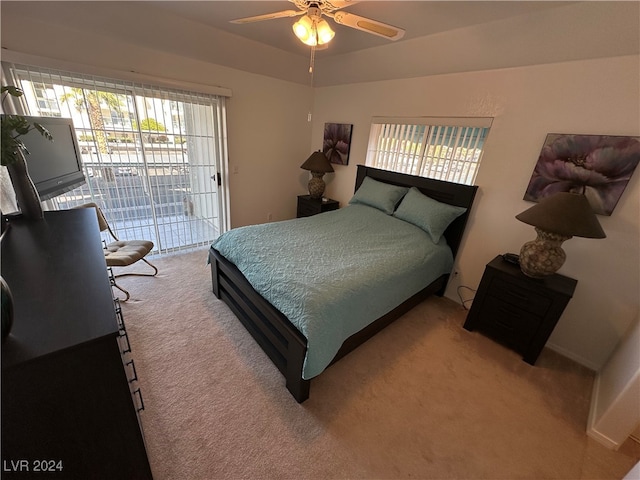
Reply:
x=417, y=18
x=441, y=36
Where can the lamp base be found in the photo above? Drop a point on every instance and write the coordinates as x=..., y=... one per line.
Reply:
x=543, y=256
x=316, y=185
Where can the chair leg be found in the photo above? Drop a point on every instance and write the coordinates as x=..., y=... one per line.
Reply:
x=155, y=271
x=127, y=297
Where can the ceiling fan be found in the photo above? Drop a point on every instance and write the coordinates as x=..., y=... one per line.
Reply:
x=313, y=30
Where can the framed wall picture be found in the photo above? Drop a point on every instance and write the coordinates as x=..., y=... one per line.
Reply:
x=598, y=166
x=337, y=142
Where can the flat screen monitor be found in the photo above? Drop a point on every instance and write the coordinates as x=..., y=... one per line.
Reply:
x=54, y=166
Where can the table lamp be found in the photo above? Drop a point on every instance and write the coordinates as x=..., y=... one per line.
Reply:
x=318, y=165
x=556, y=218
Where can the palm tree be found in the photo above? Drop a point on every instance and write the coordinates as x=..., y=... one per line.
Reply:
x=92, y=101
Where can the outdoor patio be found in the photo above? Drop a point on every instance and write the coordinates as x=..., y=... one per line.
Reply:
x=177, y=232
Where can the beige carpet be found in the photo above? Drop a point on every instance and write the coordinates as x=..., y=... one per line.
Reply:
x=423, y=399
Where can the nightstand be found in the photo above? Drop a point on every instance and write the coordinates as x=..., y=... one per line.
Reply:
x=517, y=310
x=308, y=206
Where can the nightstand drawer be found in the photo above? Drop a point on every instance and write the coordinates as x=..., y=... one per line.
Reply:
x=307, y=209
x=308, y=206
x=509, y=323
x=520, y=297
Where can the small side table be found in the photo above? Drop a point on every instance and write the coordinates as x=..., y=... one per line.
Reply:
x=517, y=310
x=308, y=206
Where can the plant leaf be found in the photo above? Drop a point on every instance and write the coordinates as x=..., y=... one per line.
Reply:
x=43, y=131
x=12, y=90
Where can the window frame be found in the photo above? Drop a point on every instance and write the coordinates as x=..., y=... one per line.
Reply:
x=414, y=145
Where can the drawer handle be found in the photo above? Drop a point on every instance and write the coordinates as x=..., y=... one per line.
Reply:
x=123, y=335
x=504, y=324
x=511, y=313
x=133, y=368
x=120, y=318
x=141, y=408
x=518, y=296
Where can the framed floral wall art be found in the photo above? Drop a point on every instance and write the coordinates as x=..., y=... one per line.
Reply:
x=599, y=166
x=337, y=142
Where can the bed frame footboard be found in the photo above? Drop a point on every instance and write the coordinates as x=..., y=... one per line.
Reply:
x=280, y=340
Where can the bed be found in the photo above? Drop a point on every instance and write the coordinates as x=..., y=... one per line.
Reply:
x=338, y=282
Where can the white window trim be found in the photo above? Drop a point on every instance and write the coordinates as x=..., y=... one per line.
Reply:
x=402, y=129
x=11, y=56
x=438, y=121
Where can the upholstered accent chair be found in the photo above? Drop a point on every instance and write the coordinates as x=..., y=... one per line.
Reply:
x=122, y=253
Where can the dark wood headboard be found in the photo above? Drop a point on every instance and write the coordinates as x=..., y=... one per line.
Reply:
x=452, y=193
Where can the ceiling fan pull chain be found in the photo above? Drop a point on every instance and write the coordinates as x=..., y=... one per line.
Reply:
x=313, y=57
x=312, y=62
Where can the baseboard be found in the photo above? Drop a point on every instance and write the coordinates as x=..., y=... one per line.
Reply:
x=572, y=356
x=614, y=416
x=591, y=430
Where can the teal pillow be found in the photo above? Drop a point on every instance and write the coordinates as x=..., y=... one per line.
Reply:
x=426, y=213
x=382, y=196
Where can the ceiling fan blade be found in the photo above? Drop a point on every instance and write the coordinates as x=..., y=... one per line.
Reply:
x=268, y=16
x=327, y=6
x=332, y=5
x=368, y=25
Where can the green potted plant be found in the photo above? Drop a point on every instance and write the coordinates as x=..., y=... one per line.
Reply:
x=13, y=156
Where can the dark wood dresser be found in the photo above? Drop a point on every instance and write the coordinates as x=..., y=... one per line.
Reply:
x=517, y=310
x=70, y=403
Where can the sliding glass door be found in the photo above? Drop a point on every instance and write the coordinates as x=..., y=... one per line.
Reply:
x=152, y=156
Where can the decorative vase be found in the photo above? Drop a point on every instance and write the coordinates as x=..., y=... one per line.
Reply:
x=7, y=310
x=543, y=256
x=316, y=185
x=26, y=193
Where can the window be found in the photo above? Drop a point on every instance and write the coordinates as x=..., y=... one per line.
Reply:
x=46, y=100
x=152, y=156
x=442, y=148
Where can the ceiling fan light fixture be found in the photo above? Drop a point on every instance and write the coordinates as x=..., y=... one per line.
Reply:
x=303, y=28
x=325, y=34
x=313, y=32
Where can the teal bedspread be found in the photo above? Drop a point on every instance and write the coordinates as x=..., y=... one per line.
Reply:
x=334, y=273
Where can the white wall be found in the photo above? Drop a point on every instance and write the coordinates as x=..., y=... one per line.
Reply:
x=269, y=134
x=585, y=97
x=615, y=405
